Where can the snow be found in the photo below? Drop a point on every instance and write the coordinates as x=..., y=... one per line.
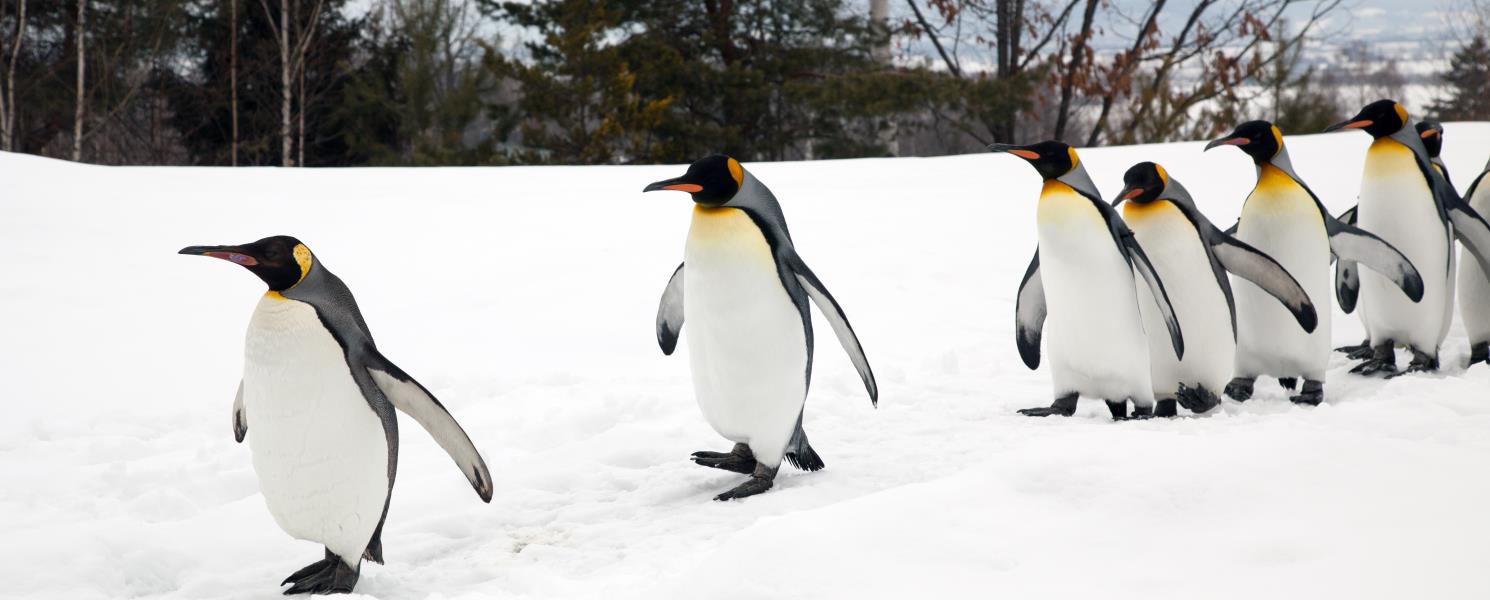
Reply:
x=524, y=298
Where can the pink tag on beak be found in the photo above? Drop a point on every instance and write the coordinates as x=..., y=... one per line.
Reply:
x=242, y=259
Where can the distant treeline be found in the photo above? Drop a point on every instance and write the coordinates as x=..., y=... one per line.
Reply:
x=446, y=82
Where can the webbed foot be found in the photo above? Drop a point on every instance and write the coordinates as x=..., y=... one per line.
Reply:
x=1196, y=399
x=1240, y=389
x=1312, y=394
x=1420, y=363
x=1063, y=406
x=330, y=575
x=760, y=480
x=740, y=460
x=1383, y=360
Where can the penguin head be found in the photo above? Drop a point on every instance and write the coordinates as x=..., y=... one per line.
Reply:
x=1432, y=134
x=1261, y=140
x=281, y=261
x=1051, y=159
x=1380, y=119
x=712, y=180
x=1144, y=182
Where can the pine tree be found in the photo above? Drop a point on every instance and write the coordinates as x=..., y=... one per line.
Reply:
x=1468, y=78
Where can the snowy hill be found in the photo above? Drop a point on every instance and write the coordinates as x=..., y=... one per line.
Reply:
x=524, y=299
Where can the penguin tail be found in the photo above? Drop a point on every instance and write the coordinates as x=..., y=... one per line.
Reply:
x=800, y=453
x=374, y=551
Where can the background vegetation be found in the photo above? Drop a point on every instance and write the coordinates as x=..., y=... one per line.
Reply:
x=451, y=82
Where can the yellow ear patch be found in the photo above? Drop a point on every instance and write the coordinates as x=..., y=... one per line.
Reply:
x=1278, y=137
x=736, y=171
x=302, y=258
x=1075, y=160
x=1401, y=113
x=1163, y=176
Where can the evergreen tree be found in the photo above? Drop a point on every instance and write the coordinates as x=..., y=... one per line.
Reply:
x=673, y=80
x=199, y=91
x=418, y=90
x=1468, y=78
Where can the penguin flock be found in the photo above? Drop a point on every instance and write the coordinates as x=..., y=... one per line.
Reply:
x=1130, y=298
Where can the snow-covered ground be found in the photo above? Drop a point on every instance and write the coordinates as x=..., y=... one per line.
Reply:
x=524, y=298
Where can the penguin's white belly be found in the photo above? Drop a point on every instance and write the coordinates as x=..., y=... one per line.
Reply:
x=1094, y=332
x=1397, y=205
x=1183, y=263
x=319, y=450
x=1474, y=286
x=1281, y=219
x=746, y=343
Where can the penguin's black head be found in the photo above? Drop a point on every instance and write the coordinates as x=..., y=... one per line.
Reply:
x=1051, y=159
x=712, y=180
x=1432, y=134
x=1380, y=119
x=1143, y=183
x=1261, y=140
x=281, y=261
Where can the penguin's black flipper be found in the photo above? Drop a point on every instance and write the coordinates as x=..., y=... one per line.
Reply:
x=670, y=313
x=834, y=314
x=240, y=416
x=1351, y=243
x=1029, y=314
x=1252, y=264
x=1472, y=230
x=1156, y=286
x=413, y=399
x=1347, y=274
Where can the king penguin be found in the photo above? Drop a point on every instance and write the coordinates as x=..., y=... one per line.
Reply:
x=1406, y=200
x=1193, y=256
x=1474, y=286
x=1431, y=133
x=1082, y=278
x=1283, y=218
x=750, y=340
x=321, y=398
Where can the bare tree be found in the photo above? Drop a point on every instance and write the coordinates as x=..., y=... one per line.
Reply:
x=292, y=68
x=8, y=102
x=79, y=109
x=1227, y=45
x=1073, y=73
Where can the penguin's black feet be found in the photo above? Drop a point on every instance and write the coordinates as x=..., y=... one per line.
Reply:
x=1359, y=351
x=1063, y=406
x=1292, y=383
x=1240, y=389
x=1383, y=360
x=1479, y=353
x=1167, y=408
x=1141, y=412
x=1196, y=399
x=760, y=480
x=330, y=575
x=740, y=460
x=1420, y=363
x=1312, y=394
x=1118, y=408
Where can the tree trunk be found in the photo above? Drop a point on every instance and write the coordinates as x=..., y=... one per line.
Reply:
x=300, y=139
x=1073, y=68
x=79, y=104
x=8, y=102
x=233, y=76
x=284, y=84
